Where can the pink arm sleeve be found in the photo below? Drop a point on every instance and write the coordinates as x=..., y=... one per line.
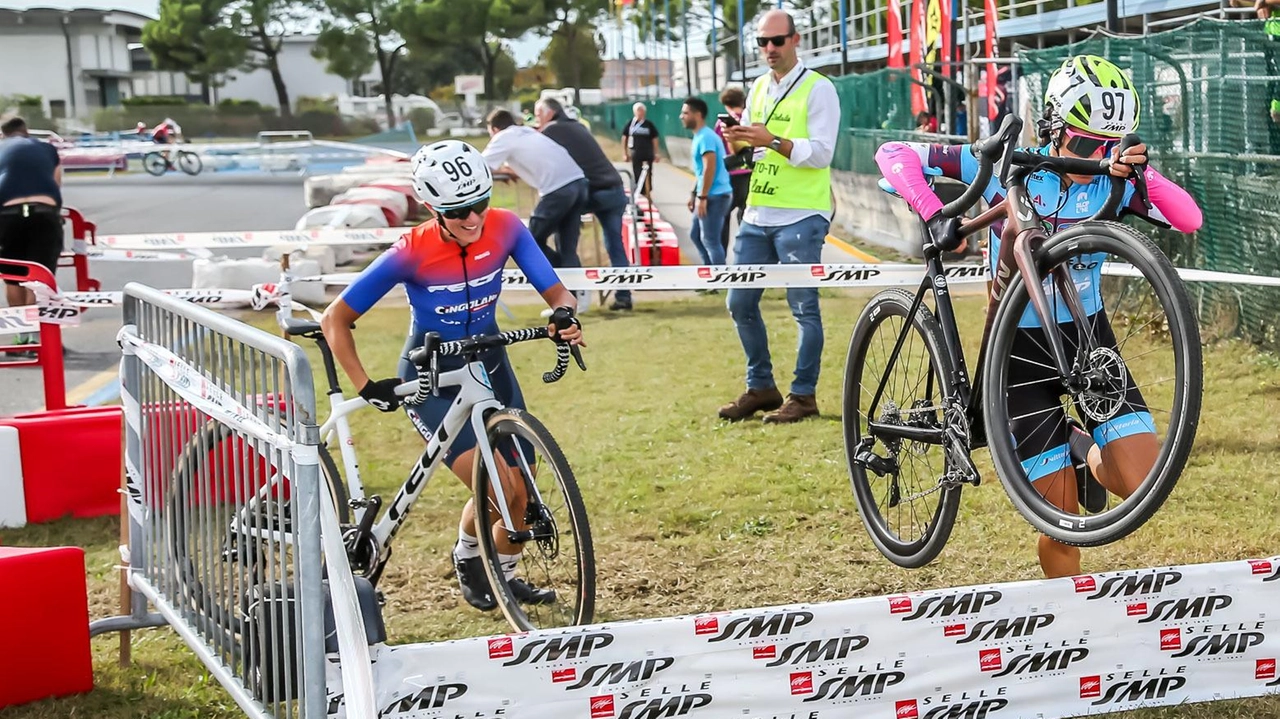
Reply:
x=901, y=166
x=1175, y=204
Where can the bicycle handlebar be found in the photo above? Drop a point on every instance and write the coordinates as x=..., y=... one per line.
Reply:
x=1000, y=147
x=426, y=358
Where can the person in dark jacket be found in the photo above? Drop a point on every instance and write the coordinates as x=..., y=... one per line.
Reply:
x=30, y=206
x=605, y=196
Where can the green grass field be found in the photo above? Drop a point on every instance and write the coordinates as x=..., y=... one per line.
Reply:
x=691, y=514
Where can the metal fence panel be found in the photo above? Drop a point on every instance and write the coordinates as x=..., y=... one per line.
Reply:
x=224, y=499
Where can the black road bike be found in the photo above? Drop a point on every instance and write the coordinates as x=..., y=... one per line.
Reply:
x=912, y=417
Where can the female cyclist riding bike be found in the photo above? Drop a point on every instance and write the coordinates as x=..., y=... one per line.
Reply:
x=1089, y=105
x=451, y=267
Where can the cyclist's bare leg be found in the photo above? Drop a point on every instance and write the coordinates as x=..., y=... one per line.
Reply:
x=512, y=486
x=1058, y=559
x=1124, y=463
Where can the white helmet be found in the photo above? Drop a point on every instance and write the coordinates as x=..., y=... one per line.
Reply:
x=449, y=174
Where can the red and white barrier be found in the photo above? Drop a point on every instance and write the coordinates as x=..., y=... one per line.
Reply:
x=51, y=482
x=44, y=624
x=1050, y=648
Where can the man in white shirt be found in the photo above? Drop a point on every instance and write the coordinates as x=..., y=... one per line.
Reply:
x=792, y=119
x=548, y=168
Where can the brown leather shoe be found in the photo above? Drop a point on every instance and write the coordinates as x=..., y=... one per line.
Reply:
x=751, y=401
x=796, y=408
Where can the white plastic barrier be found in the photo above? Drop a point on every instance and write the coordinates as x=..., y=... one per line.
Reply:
x=1050, y=648
x=320, y=189
x=323, y=255
x=393, y=203
x=245, y=273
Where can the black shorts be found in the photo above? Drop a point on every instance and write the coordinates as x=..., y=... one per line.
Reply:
x=428, y=416
x=32, y=236
x=1038, y=419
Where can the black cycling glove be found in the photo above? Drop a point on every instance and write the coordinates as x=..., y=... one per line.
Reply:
x=563, y=319
x=945, y=232
x=382, y=394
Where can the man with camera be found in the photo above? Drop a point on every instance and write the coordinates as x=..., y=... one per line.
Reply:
x=792, y=119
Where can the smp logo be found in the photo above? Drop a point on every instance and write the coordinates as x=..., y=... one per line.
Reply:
x=618, y=277
x=1127, y=586
x=549, y=650
x=811, y=652
x=910, y=709
x=944, y=606
x=768, y=625
x=1217, y=644
x=992, y=630
x=842, y=277
x=1268, y=569
x=656, y=708
x=726, y=277
x=844, y=687
x=432, y=697
x=616, y=673
x=1180, y=609
x=1129, y=690
x=1037, y=662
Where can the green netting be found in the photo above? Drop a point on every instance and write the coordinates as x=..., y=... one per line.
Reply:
x=1206, y=90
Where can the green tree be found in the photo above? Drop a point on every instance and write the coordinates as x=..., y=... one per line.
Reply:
x=574, y=56
x=422, y=69
x=360, y=34
x=190, y=37
x=208, y=38
x=475, y=26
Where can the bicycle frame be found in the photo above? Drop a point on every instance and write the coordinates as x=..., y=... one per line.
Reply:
x=475, y=401
x=1021, y=238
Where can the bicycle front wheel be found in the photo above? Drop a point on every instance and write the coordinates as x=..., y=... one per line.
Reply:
x=555, y=539
x=1133, y=392
x=190, y=163
x=898, y=484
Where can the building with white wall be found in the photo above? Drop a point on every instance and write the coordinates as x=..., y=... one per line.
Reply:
x=80, y=58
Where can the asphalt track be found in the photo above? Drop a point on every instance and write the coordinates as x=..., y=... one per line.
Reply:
x=141, y=203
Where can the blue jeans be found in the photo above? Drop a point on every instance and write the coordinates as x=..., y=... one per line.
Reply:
x=797, y=243
x=609, y=204
x=560, y=212
x=706, y=230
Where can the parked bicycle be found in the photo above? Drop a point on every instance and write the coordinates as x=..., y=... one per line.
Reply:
x=912, y=417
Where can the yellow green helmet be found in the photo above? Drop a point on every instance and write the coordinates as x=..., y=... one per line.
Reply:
x=1091, y=94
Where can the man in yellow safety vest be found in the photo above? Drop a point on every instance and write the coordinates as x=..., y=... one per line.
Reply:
x=792, y=119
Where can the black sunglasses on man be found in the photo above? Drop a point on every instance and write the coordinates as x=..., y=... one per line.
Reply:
x=777, y=40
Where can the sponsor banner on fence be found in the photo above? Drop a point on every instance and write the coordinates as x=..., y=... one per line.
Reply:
x=691, y=277
x=1050, y=648
x=261, y=238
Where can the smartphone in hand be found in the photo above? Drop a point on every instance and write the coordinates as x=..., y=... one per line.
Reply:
x=727, y=120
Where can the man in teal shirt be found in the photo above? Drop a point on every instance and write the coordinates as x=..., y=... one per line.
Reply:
x=712, y=193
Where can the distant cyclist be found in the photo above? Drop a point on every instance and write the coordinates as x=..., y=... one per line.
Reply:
x=1088, y=106
x=166, y=133
x=451, y=268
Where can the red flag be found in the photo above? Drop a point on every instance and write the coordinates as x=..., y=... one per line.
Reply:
x=993, y=51
x=945, y=28
x=918, y=40
x=895, y=33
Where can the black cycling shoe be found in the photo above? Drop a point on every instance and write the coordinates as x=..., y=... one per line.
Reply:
x=526, y=593
x=474, y=583
x=1092, y=495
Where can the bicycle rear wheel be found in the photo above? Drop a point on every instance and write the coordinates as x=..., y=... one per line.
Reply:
x=154, y=163
x=557, y=554
x=895, y=505
x=1138, y=385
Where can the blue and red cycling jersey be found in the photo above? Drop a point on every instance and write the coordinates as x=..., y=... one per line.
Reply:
x=453, y=290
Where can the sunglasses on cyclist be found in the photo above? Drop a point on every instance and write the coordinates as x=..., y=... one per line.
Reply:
x=462, y=213
x=1083, y=145
x=777, y=40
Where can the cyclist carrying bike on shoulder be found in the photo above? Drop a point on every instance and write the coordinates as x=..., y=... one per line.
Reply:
x=451, y=267
x=1089, y=105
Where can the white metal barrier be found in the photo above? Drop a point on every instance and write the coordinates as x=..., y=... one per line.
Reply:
x=225, y=508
